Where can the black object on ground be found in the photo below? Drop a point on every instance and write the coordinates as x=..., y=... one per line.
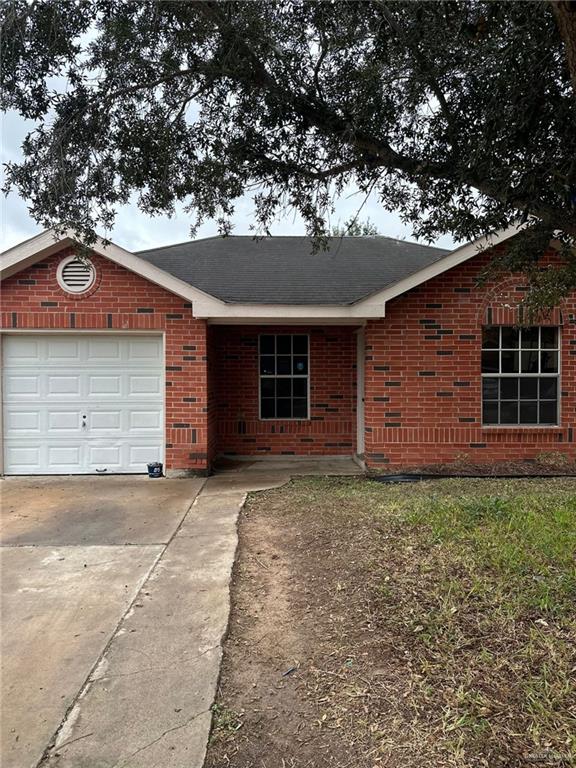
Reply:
x=155, y=469
x=415, y=478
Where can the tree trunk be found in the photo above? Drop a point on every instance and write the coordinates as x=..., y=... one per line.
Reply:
x=565, y=13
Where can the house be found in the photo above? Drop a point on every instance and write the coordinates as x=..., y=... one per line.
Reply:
x=380, y=349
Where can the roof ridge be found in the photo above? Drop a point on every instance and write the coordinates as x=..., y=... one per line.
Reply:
x=294, y=237
x=183, y=242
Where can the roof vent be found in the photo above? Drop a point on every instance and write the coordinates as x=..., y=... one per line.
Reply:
x=76, y=274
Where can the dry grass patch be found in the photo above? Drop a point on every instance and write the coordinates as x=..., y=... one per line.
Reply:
x=419, y=625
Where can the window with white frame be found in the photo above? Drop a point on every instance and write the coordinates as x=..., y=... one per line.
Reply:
x=520, y=375
x=283, y=376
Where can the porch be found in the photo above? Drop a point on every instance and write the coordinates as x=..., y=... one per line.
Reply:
x=285, y=391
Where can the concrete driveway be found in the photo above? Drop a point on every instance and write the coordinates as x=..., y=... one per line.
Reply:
x=114, y=604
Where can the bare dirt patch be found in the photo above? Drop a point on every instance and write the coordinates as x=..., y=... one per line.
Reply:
x=401, y=626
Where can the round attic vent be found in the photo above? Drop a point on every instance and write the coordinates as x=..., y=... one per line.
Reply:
x=76, y=274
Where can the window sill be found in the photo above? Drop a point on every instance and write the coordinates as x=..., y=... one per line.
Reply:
x=522, y=428
x=287, y=418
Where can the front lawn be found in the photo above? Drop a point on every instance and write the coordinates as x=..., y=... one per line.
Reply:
x=431, y=624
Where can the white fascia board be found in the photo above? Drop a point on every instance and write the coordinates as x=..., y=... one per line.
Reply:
x=252, y=313
x=452, y=259
x=46, y=243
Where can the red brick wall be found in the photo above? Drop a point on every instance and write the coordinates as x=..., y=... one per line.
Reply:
x=123, y=301
x=423, y=384
x=331, y=429
x=423, y=377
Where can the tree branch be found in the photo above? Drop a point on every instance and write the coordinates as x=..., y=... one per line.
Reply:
x=565, y=14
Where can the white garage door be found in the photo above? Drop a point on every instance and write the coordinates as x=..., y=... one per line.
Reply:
x=82, y=404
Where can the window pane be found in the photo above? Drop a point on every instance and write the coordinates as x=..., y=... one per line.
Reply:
x=267, y=408
x=529, y=338
x=300, y=387
x=490, y=389
x=266, y=345
x=490, y=362
x=549, y=338
x=300, y=409
x=528, y=412
x=528, y=389
x=283, y=345
x=490, y=413
x=490, y=338
x=283, y=365
x=530, y=361
x=509, y=389
x=300, y=345
x=509, y=413
x=549, y=362
x=548, y=389
x=300, y=365
x=283, y=387
x=284, y=408
x=267, y=365
x=267, y=387
x=509, y=362
x=548, y=413
x=510, y=338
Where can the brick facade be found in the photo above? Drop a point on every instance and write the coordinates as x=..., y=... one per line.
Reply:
x=423, y=382
x=123, y=301
x=331, y=429
x=423, y=375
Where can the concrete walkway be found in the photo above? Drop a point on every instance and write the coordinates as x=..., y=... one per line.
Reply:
x=147, y=700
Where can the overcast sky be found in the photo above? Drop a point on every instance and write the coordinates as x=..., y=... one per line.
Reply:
x=136, y=231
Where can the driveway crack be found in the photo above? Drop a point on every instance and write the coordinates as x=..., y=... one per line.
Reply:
x=123, y=760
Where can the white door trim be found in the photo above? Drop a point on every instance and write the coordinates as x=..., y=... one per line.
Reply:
x=360, y=388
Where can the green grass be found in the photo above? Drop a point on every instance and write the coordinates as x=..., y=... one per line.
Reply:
x=522, y=543
x=473, y=584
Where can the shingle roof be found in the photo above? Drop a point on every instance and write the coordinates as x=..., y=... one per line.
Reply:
x=283, y=270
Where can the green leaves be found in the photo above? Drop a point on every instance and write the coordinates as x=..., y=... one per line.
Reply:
x=460, y=114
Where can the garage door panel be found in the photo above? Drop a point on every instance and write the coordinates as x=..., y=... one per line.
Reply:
x=104, y=456
x=104, y=386
x=144, y=386
x=22, y=459
x=65, y=457
x=27, y=352
x=145, y=351
x=62, y=350
x=63, y=386
x=139, y=420
x=64, y=421
x=105, y=421
x=23, y=421
x=20, y=386
x=104, y=350
x=82, y=405
x=140, y=455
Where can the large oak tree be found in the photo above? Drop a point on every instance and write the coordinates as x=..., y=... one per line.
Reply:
x=459, y=114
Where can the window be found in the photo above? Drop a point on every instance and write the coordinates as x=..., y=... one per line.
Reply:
x=520, y=375
x=283, y=376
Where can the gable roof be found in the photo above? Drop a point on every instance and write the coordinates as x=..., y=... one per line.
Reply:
x=283, y=270
x=49, y=242
x=276, y=278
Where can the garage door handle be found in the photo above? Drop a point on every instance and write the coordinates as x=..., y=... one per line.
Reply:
x=102, y=470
